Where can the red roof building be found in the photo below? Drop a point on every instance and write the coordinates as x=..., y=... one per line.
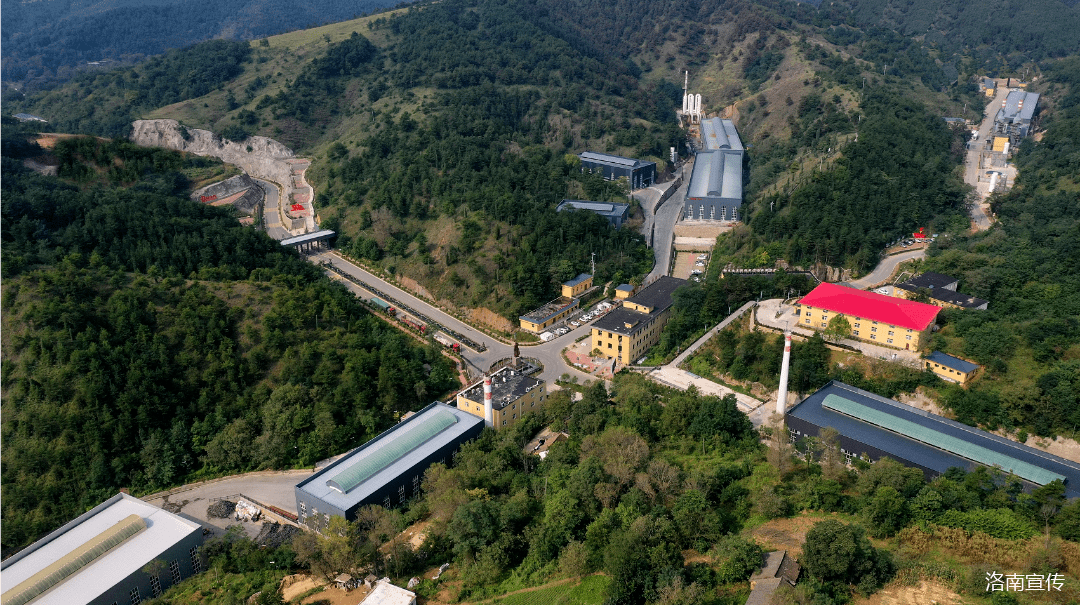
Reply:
x=874, y=317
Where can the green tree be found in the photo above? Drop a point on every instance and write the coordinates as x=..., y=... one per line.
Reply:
x=839, y=328
x=835, y=552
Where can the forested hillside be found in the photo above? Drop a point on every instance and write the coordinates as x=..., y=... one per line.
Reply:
x=149, y=339
x=47, y=41
x=1027, y=268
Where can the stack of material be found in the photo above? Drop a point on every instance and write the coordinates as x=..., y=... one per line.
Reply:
x=246, y=511
x=273, y=535
x=222, y=509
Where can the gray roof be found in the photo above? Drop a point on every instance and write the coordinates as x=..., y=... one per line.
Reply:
x=608, y=209
x=656, y=295
x=625, y=288
x=162, y=530
x=932, y=280
x=577, y=280
x=811, y=410
x=949, y=361
x=717, y=133
x=1019, y=106
x=308, y=238
x=318, y=485
x=507, y=386
x=717, y=174
x=549, y=310
x=959, y=299
x=614, y=160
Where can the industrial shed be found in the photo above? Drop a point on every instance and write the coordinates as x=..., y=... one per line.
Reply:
x=386, y=470
x=101, y=557
x=715, y=191
x=640, y=173
x=872, y=427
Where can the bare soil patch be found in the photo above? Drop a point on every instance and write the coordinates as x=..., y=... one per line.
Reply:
x=297, y=584
x=786, y=534
x=926, y=593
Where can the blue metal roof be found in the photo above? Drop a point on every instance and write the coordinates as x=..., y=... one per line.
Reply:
x=614, y=160
x=577, y=280
x=955, y=363
x=813, y=411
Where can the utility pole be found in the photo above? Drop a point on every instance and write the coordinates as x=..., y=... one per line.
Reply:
x=594, y=264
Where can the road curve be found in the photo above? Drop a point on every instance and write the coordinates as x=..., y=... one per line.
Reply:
x=885, y=269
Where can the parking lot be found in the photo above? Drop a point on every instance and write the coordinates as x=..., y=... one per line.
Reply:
x=579, y=319
x=690, y=264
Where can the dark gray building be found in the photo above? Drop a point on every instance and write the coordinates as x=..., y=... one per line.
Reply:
x=101, y=557
x=640, y=173
x=715, y=191
x=873, y=427
x=386, y=470
x=615, y=213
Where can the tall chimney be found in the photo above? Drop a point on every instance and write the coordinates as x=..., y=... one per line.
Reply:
x=489, y=415
x=781, y=397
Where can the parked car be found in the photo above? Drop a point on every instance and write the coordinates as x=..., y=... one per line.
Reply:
x=575, y=324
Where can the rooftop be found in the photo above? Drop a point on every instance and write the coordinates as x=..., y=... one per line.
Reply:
x=386, y=593
x=307, y=238
x=507, y=386
x=872, y=306
x=548, y=310
x=657, y=295
x=934, y=281
x=717, y=133
x=577, y=280
x=602, y=208
x=359, y=473
x=926, y=439
x=615, y=160
x=622, y=320
x=625, y=288
x=716, y=174
x=955, y=363
x=1019, y=105
x=137, y=531
x=959, y=299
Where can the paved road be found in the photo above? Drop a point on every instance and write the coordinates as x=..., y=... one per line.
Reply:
x=662, y=226
x=885, y=269
x=271, y=212
x=549, y=353
x=980, y=209
x=720, y=326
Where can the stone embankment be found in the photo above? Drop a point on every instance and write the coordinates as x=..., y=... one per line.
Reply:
x=260, y=157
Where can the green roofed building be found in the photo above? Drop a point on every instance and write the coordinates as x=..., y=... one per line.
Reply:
x=105, y=556
x=388, y=469
x=872, y=427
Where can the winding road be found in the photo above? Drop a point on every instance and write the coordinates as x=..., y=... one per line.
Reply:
x=885, y=269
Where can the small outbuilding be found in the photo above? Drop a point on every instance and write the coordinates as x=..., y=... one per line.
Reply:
x=386, y=593
x=950, y=368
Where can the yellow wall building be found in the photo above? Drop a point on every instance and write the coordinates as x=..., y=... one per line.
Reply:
x=950, y=368
x=513, y=394
x=577, y=286
x=875, y=318
x=548, y=315
x=624, y=291
x=628, y=331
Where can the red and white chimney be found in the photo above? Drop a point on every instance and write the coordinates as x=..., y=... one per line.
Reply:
x=781, y=397
x=489, y=414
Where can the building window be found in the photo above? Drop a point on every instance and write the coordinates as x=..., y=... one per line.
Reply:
x=856, y=324
x=909, y=336
x=888, y=340
x=823, y=324
x=196, y=562
x=416, y=483
x=873, y=329
x=401, y=493
x=856, y=332
x=135, y=598
x=386, y=502
x=873, y=337
x=174, y=569
x=807, y=320
x=303, y=510
x=609, y=345
x=890, y=333
x=155, y=586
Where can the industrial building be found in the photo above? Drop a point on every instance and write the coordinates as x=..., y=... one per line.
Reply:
x=872, y=427
x=614, y=212
x=639, y=173
x=386, y=470
x=1014, y=120
x=941, y=290
x=512, y=394
x=105, y=556
x=540, y=319
x=950, y=368
x=715, y=191
x=577, y=286
x=626, y=332
x=876, y=318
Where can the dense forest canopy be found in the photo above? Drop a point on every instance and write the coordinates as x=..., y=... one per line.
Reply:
x=51, y=41
x=149, y=339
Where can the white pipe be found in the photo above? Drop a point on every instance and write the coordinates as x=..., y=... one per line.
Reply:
x=489, y=414
x=781, y=397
